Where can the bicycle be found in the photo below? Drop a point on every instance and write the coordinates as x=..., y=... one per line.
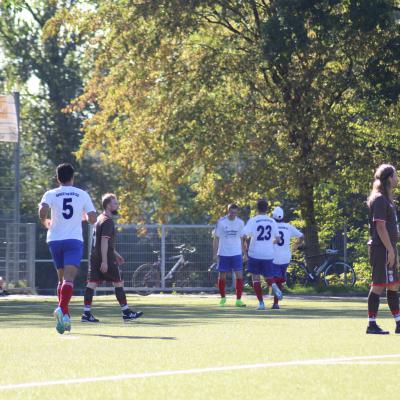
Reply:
x=148, y=275
x=334, y=272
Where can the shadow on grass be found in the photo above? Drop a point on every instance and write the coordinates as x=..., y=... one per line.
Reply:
x=40, y=314
x=125, y=336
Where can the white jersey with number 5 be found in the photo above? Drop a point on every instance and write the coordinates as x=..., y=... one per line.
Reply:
x=282, y=250
x=263, y=231
x=67, y=204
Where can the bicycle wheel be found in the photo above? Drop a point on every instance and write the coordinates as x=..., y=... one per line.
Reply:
x=147, y=276
x=296, y=274
x=339, y=274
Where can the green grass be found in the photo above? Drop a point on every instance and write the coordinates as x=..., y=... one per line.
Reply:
x=190, y=332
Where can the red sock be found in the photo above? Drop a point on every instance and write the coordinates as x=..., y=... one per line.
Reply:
x=59, y=291
x=258, y=290
x=221, y=286
x=239, y=288
x=65, y=296
x=270, y=281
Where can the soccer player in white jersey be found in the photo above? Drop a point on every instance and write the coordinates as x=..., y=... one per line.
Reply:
x=228, y=248
x=282, y=251
x=69, y=206
x=262, y=231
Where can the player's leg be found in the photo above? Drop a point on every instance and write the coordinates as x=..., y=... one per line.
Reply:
x=127, y=314
x=268, y=272
x=393, y=303
x=60, y=275
x=254, y=268
x=87, y=315
x=279, y=273
x=237, y=268
x=378, y=261
x=222, y=268
x=73, y=251
x=57, y=254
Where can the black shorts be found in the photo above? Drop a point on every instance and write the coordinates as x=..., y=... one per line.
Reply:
x=112, y=275
x=380, y=270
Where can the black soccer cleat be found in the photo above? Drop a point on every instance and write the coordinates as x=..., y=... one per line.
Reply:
x=87, y=316
x=397, y=327
x=376, y=330
x=130, y=315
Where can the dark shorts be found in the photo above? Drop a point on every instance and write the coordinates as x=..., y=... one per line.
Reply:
x=260, y=267
x=380, y=271
x=66, y=252
x=230, y=263
x=279, y=271
x=112, y=275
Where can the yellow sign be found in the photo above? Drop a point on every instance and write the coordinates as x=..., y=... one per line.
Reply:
x=8, y=119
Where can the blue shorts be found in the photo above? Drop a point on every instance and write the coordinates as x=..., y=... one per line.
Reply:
x=260, y=267
x=279, y=270
x=66, y=252
x=230, y=263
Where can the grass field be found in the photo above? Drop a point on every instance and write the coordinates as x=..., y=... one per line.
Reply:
x=186, y=347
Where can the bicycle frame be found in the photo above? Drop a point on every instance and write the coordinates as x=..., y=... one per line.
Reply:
x=181, y=260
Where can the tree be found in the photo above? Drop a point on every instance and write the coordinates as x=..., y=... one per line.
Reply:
x=47, y=55
x=239, y=99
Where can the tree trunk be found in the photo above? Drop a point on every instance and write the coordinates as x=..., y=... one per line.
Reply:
x=310, y=230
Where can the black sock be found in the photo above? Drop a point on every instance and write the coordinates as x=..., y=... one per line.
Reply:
x=393, y=302
x=88, y=297
x=121, y=297
x=373, y=306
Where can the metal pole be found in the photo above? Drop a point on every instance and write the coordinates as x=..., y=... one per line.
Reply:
x=31, y=254
x=345, y=252
x=17, y=159
x=163, y=256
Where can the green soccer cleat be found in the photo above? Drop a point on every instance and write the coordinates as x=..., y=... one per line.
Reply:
x=222, y=301
x=58, y=315
x=239, y=303
x=67, y=323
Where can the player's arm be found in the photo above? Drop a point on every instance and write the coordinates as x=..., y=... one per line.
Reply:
x=299, y=242
x=384, y=236
x=215, y=247
x=119, y=258
x=244, y=248
x=43, y=213
x=104, y=251
x=90, y=217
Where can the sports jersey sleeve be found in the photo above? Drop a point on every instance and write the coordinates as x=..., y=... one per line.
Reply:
x=295, y=232
x=107, y=228
x=379, y=209
x=88, y=206
x=47, y=199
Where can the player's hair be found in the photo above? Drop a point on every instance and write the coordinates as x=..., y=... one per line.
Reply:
x=381, y=183
x=106, y=199
x=65, y=172
x=262, y=205
x=233, y=206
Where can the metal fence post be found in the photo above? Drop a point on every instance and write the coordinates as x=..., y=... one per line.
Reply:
x=163, y=233
x=345, y=243
x=31, y=254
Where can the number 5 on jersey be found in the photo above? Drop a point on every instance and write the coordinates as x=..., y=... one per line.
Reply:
x=68, y=210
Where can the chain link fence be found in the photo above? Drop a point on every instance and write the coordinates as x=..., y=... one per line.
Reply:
x=156, y=261
x=17, y=255
x=166, y=257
